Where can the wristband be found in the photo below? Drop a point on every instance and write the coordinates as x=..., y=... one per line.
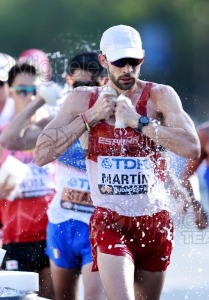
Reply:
x=85, y=122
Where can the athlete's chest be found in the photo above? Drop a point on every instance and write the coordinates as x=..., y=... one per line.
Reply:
x=107, y=140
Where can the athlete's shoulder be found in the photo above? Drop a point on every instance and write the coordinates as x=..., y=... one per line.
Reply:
x=80, y=95
x=165, y=95
x=161, y=89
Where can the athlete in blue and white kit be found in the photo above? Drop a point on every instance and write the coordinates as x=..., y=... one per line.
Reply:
x=68, y=243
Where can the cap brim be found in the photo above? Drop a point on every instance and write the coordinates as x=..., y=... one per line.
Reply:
x=3, y=75
x=122, y=53
x=6, y=63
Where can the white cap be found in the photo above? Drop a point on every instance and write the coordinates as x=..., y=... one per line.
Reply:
x=6, y=63
x=121, y=41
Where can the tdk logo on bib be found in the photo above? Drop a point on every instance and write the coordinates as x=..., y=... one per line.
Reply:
x=106, y=163
x=125, y=175
x=79, y=183
x=124, y=163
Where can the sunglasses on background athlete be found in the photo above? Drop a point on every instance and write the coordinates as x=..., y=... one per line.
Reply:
x=121, y=63
x=85, y=83
x=23, y=90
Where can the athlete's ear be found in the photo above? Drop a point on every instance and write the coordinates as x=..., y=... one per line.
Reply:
x=68, y=79
x=103, y=81
x=103, y=60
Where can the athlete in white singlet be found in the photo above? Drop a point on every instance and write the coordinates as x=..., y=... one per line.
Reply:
x=131, y=229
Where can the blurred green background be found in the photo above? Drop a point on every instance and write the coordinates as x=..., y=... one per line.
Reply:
x=174, y=35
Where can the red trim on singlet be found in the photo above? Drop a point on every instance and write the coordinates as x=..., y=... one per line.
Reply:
x=141, y=106
x=93, y=99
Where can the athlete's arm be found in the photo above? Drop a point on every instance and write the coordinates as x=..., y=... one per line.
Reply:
x=177, y=191
x=192, y=165
x=19, y=135
x=176, y=132
x=68, y=125
x=190, y=168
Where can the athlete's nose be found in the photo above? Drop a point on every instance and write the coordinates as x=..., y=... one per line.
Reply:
x=127, y=68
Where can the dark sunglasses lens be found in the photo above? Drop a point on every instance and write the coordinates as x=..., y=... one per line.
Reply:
x=2, y=83
x=135, y=62
x=120, y=63
x=84, y=83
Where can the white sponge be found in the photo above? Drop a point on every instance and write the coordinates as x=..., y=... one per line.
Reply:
x=50, y=92
x=118, y=122
x=109, y=91
x=122, y=98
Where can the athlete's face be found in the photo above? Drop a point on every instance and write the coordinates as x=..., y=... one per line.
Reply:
x=123, y=77
x=23, y=90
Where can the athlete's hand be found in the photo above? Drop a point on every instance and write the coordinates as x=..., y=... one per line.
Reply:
x=5, y=188
x=126, y=113
x=104, y=107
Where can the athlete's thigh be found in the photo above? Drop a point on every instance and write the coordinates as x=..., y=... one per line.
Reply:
x=117, y=275
x=45, y=283
x=65, y=282
x=93, y=286
x=148, y=285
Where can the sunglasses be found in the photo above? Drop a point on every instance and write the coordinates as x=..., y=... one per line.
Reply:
x=2, y=83
x=120, y=63
x=85, y=83
x=23, y=90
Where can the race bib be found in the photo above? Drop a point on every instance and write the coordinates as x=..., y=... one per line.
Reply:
x=125, y=175
x=76, y=196
x=38, y=182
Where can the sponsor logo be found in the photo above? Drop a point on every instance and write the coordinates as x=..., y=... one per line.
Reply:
x=119, y=246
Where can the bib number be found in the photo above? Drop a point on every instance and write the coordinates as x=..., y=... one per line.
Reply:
x=77, y=200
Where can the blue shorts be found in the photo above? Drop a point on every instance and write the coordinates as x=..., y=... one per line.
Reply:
x=68, y=244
